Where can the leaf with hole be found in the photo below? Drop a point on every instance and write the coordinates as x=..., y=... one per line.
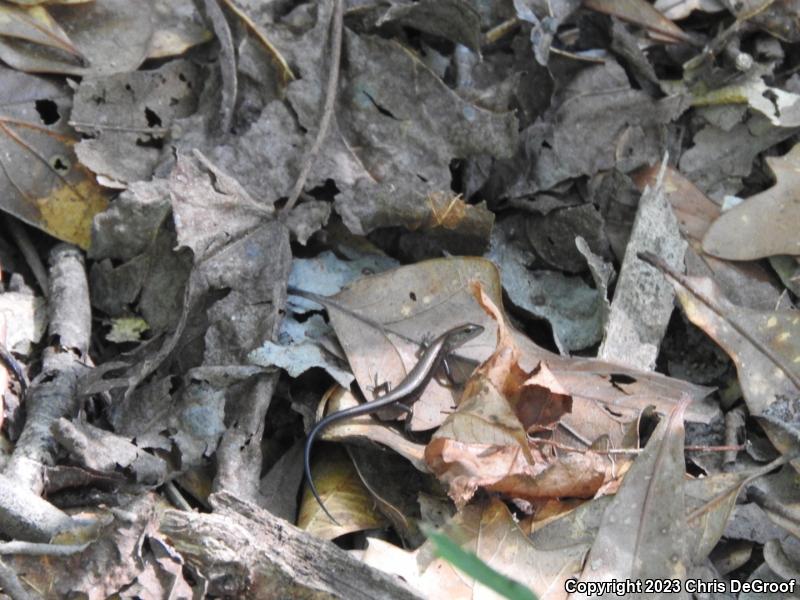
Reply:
x=41, y=181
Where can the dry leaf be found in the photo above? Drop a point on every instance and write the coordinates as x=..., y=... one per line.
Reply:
x=41, y=180
x=377, y=317
x=643, y=300
x=485, y=445
x=490, y=531
x=433, y=296
x=643, y=533
x=640, y=13
x=764, y=346
x=745, y=283
x=366, y=427
x=34, y=24
x=769, y=221
x=344, y=496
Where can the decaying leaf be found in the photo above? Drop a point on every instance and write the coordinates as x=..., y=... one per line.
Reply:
x=454, y=128
x=432, y=297
x=782, y=108
x=745, y=283
x=125, y=118
x=96, y=572
x=103, y=37
x=124, y=50
x=570, y=305
x=41, y=181
x=34, y=24
x=721, y=158
x=625, y=138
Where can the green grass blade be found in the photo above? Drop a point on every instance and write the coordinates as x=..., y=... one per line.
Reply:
x=473, y=566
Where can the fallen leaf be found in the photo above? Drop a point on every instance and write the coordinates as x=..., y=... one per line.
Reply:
x=127, y=330
x=557, y=147
x=34, y=24
x=764, y=345
x=484, y=444
x=97, y=572
x=782, y=108
x=125, y=117
x=344, y=496
x=490, y=531
x=640, y=13
x=745, y=283
x=643, y=532
x=433, y=296
x=366, y=427
x=570, y=305
x=429, y=298
x=709, y=504
x=112, y=35
x=769, y=221
x=680, y=9
x=41, y=180
x=643, y=300
x=454, y=20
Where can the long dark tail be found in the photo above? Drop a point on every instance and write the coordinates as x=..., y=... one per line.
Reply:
x=307, y=464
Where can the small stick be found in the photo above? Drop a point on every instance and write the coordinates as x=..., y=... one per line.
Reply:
x=613, y=451
x=330, y=100
x=32, y=257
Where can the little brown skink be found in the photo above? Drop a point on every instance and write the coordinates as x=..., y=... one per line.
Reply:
x=406, y=392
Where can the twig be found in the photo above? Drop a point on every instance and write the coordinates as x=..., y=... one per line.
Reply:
x=734, y=421
x=35, y=549
x=713, y=306
x=54, y=393
x=330, y=100
x=175, y=496
x=613, y=451
x=12, y=585
x=716, y=500
x=286, y=71
x=25, y=246
x=227, y=63
x=500, y=31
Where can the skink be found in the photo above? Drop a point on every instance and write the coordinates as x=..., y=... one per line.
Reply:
x=407, y=391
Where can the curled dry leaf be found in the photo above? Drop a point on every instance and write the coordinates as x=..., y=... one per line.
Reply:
x=344, y=496
x=484, y=444
x=367, y=427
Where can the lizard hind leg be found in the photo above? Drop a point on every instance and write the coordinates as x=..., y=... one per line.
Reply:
x=379, y=389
